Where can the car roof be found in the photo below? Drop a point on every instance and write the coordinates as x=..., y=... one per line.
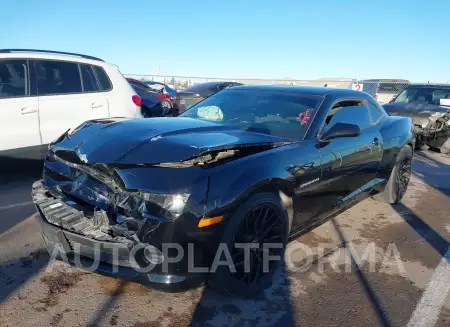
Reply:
x=53, y=56
x=215, y=83
x=424, y=85
x=310, y=90
x=153, y=82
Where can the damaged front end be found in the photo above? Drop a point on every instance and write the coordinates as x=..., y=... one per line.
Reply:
x=433, y=129
x=98, y=205
x=118, y=203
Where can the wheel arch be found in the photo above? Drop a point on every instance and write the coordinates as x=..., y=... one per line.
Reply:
x=277, y=186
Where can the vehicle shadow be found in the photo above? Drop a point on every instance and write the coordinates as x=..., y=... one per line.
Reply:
x=15, y=273
x=272, y=307
x=15, y=189
x=434, y=238
x=429, y=169
x=380, y=314
x=99, y=316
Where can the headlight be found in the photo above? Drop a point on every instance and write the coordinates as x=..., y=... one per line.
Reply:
x=173, y=203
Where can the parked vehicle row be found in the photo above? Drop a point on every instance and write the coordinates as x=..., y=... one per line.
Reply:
x=154, y=103
x=44, y=93
x=198, y=92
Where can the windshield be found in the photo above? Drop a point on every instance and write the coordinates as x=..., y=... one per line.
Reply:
x=268, y=112
x=425, y=95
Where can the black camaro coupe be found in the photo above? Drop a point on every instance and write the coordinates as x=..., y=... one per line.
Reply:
x=217, y=192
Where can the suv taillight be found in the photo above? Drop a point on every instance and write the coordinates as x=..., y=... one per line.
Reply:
x=137, y=100
x=375, y=96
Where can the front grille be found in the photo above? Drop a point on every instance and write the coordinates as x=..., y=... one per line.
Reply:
x=69, y=156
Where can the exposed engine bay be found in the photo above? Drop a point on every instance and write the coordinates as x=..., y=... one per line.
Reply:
x=97, y=223
x=434, y=123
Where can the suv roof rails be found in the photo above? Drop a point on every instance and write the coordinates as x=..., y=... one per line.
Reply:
x=50, y=51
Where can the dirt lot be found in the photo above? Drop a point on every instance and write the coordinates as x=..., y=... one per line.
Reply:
x=405, y=284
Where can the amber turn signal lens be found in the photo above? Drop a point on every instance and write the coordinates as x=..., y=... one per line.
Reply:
x=204, y=222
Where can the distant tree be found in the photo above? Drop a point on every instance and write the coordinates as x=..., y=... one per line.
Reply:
x=172, y=81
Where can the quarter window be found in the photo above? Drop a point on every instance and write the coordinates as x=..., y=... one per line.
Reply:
x=58, y=77
x=359, y=116
x=375, y=113
x=13, y=78
x=90, y=83
x=105, y=83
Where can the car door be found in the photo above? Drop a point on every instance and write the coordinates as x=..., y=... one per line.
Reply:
x=95, y=95
x=19, y=120
x=64, y=100
x=349, y=164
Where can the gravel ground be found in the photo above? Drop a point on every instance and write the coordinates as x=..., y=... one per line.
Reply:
x=337, y=287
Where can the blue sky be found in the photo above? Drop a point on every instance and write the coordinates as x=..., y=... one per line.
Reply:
x=243, y=39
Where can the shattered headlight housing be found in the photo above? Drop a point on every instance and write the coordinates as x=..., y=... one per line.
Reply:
x=172, y=204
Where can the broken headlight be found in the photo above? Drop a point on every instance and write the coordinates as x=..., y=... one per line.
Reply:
x=172, y=204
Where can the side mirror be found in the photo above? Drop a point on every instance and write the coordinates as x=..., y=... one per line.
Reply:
x=341, y=130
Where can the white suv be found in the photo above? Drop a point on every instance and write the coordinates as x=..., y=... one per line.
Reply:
x=44, y=93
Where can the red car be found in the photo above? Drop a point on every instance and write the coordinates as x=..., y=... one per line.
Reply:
x=133, y=81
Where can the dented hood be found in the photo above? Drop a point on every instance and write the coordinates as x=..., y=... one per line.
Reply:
x=414, y=110
x=155, y=140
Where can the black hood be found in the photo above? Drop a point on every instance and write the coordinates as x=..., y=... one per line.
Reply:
x=155, y=140
x=413, y=110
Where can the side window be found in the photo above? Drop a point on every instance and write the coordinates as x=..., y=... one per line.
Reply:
x=375, y=113
x=57, y=77
x=90, y=83
x=355, y=113
x=222, y=87
x=103, y=79
x=13, y=78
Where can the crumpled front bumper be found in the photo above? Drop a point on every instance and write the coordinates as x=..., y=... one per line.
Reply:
x=109, y=258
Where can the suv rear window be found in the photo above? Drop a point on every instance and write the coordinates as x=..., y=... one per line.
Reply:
x=105, y=83
x=13, y=78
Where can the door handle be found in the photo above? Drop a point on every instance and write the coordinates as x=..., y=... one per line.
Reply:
x=96, y=105
x=26, y=111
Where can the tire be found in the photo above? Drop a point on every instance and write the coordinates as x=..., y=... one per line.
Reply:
x=397, y=184
x=248, y=215
x=420, y=144
x=445, y=148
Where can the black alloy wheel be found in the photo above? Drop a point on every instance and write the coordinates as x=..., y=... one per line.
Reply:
x=260, y=222
x=261, y=226
x=403, y=177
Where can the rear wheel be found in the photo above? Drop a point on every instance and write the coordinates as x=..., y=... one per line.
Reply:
x=261, y=223
x=398, y=182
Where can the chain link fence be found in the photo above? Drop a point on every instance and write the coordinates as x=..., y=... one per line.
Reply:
x=381, y=89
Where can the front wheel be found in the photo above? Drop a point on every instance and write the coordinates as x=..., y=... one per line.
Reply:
x=398, y=182
x=256, y=237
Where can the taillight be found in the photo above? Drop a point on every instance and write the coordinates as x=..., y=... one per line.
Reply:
x=163, y=96
x=137, y=100
x=375, y=96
